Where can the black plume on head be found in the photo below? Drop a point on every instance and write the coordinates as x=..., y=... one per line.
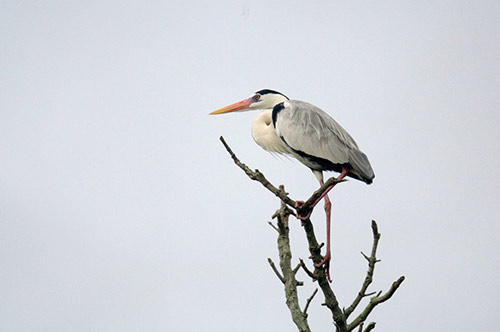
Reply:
x=266, y=91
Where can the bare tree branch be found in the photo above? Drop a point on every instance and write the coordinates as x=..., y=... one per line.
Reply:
x=292, y=299
x=372, y=260
x=304, y=208
x=258, y=176
x=296, y=269
x=306, y=270
x=374, y=301
x=370, y=327
x=317, y=194
x=280, y=277
x=309, y=301
x=272, y=225
x=319, y=274
x=314, y=248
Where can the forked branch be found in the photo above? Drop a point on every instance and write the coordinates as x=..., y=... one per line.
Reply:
x=374, y=301
x=372, y=260
x=287, y=275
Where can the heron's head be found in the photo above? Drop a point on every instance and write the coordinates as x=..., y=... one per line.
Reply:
x=263, y=99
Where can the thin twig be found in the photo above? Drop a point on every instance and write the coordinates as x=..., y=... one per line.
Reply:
x=306, y=270
x=394, y=287
x=296, y=269
x=370, y=327
x=280, y=277
x=309, y=301
x=369, y=294
x=272, y=225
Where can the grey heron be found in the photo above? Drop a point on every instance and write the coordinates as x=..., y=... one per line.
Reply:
x=310, y=135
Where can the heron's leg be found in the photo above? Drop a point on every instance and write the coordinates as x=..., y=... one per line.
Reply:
x=328, y=209
x=326, y=259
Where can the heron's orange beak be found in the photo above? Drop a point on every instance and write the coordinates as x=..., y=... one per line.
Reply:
x=241, y=105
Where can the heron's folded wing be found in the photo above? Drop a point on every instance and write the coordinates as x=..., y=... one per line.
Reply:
x=308, y=129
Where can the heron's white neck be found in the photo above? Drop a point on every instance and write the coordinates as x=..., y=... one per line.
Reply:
x=264, y=134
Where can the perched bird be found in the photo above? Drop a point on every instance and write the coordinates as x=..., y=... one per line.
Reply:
x=310, y=135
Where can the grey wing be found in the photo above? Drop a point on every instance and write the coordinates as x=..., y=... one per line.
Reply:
x=306, y=128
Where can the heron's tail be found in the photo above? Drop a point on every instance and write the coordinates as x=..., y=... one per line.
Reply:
x=360, y=166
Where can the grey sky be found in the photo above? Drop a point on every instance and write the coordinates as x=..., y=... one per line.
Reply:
x=121, y=211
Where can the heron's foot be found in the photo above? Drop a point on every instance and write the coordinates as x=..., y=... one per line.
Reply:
x=325, y=262
x=302, y=217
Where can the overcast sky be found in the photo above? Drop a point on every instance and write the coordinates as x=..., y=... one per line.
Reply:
x=121, y=211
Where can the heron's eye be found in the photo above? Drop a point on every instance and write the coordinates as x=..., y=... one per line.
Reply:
x=256, y=97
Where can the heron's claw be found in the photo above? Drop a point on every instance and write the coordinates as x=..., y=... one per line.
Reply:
x=298, y=207
x=325, y=262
